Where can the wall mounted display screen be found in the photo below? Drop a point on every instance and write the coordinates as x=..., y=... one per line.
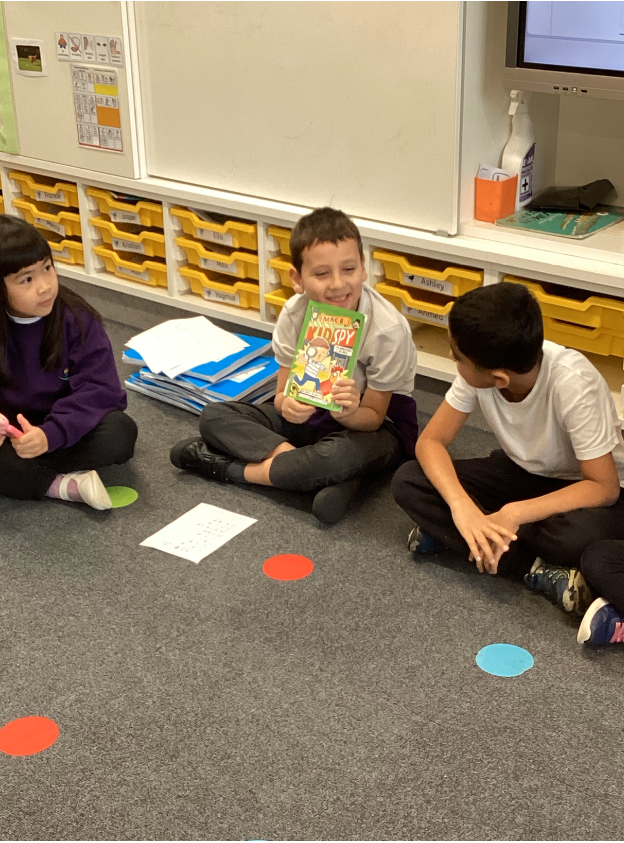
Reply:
x=574, y=36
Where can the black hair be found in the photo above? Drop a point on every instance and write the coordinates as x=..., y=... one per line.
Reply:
x=21, y=245
x=498, y=326
x=324, y=225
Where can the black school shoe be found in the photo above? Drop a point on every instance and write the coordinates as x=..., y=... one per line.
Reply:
x=194, y=455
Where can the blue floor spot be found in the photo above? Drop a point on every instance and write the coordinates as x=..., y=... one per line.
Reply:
x=504, y=659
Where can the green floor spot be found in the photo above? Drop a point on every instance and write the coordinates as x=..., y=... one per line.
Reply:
x=121, y=495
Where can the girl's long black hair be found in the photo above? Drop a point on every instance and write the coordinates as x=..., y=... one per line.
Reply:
x=21, y=245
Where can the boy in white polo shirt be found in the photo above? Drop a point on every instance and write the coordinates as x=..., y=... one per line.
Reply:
x=292, y=445
x=532, y=508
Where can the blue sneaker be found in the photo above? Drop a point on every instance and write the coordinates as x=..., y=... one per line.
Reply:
x=602, y=624
x=422, y=543
x=566, y=587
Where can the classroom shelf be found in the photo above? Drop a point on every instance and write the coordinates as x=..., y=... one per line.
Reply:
x=239, y=264
x=233, y=233
x=150, y=243
x=219, y=288
x=46, y=189
x=65, y=223
x=147, y=214
x=144, y=272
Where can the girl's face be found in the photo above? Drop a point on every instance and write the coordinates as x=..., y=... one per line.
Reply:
x=32, y=291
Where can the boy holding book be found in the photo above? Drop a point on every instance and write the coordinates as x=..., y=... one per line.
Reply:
x=531, y=509
x=293, y=445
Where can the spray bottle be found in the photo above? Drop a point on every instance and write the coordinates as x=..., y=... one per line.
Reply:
x=519, y=151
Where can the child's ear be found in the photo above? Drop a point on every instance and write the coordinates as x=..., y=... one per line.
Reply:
x=295, y=277
x=501, y=378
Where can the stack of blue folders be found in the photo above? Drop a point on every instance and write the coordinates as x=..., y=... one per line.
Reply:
x=245, y=376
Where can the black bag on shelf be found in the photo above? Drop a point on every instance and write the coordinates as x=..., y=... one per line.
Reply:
x=584, y=198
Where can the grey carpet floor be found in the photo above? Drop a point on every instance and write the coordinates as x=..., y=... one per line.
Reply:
x=210, y=702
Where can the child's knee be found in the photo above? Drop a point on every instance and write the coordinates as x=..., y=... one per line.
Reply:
x=406, y=480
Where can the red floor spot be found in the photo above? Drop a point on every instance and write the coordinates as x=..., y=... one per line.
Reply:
x=28, y=735
x=288, y=566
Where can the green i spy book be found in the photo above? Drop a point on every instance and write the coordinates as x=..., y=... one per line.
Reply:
x=327, y=350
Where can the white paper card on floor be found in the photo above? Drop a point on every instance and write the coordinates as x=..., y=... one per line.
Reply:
x=199, y=532
x=175, y=346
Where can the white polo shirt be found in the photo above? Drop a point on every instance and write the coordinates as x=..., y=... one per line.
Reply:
x=568, y=416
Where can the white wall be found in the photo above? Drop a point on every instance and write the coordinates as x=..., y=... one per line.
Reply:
x=44, y=107
x=591, y=142
x=350, y=104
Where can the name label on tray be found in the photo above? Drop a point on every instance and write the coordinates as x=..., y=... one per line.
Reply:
x=62, y=254
x=51, y=226
x=425, y=283
x=125, y=216
x=219, y=266
x=128, y=246
x=215, y=236
x=424, y=315
x=44, y=196
x=134, y=273
x=217, y=295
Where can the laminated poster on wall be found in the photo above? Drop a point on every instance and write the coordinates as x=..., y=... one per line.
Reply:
x=96, y=100
x=28, y=57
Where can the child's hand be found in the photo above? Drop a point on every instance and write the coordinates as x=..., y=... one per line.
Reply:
x=295, y=411
x=347, y=395
x=33, y=443
x=486, y=537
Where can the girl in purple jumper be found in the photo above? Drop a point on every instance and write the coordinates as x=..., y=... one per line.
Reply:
x=58, y=380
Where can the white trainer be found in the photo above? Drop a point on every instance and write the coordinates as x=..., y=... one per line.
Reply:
x=90, y=488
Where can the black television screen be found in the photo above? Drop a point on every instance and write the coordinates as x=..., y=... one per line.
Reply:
x=585, y=37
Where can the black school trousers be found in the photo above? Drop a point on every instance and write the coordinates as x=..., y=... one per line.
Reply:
x=110, y=443
x=495, y=481
x=250, y=433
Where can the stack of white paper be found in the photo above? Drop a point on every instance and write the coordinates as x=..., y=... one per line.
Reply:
x=178, y=345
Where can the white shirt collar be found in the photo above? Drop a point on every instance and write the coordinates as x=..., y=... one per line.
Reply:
x=24, y=320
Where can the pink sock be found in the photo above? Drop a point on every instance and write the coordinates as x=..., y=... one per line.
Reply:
x=72, y=489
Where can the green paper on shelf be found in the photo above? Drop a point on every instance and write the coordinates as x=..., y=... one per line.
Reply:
x=574, y=225
x=121, y=495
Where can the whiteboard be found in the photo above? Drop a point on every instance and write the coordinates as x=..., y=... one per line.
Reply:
x=44, y=108
x=355, y=105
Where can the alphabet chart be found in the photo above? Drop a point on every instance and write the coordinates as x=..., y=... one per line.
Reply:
x=96, y=100
x=198, y=532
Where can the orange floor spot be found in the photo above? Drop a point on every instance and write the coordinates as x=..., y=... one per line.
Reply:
x=28, y=735
x=288, y=566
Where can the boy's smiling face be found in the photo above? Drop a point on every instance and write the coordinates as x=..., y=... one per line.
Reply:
x=332, y=273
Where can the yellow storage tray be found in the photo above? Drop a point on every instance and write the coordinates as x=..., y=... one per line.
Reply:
x=282, y=235
x=238, y=235
x=278, y=298
x=67, y=251
x=150, y=243
x=215, y=287
x=44, y=189
x=1, y=204
x=240, y=264
x=421, y=306
x=282, y=267
x=65, y=223
x=595, y=340
x=149, y=214
x=592, y=312
x=429, y=274
x=148, y=272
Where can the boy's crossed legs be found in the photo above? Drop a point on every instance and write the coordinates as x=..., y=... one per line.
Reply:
x=493, y=482
x=254, y=444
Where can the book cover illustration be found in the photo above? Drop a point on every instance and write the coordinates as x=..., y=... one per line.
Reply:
x=326, y=351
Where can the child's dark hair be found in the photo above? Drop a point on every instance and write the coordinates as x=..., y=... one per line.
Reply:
x=21, y=245
x=499, y=326
x=324, y=225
